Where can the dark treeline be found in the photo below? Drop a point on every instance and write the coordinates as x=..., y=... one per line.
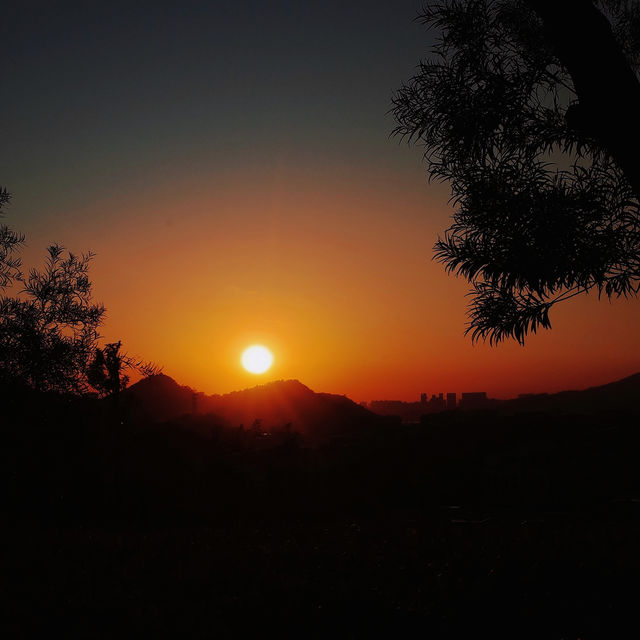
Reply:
x=70, y=458
x=191, y=523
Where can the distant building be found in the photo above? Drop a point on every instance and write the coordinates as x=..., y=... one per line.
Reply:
x=412, y=412
x=437, y=403
x=474, y=400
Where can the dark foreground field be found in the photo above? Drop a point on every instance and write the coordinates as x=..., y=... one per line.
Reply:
x=465, y=526
x=552, y=576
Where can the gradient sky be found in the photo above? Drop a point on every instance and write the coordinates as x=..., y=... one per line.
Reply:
x=230, y=164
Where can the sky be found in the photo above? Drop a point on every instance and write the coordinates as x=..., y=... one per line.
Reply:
x=231, y=166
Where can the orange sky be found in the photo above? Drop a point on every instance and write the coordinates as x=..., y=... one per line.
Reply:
x=332, y=271
x=231, y=165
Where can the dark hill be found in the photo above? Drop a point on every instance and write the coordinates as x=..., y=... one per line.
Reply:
x=273, y=405
x=621, y=395
x=158, y=398
x=289, y=402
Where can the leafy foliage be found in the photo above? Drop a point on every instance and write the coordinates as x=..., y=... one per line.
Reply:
x=49, y=331
x=49, y=328
x=9, y=242
x=542, y=212
x=625, y=18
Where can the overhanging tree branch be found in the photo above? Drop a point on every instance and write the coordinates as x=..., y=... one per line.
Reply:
x=608, y=90
x=529, y=109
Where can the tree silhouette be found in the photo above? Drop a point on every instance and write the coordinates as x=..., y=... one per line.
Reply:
x=49, y=330
x=529, y=109
x=49, y=327
x=106, y=371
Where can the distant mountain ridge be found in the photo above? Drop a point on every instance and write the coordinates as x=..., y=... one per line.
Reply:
x=289, y=402
x=620, y=395
x=274, y=404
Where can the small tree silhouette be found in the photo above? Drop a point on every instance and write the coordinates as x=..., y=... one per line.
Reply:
x=106, y=372
x=529, y=109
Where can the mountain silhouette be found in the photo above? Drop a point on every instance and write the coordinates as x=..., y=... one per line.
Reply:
x=621, y=395
x=265, y=407
x=158, y=398
x=289, y=403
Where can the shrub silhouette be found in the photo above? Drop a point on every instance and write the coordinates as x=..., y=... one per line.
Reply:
x=49, y=326
x=49, y=330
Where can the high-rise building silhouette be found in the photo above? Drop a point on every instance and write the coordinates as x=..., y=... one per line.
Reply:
x=451, y=401
x=474, y=400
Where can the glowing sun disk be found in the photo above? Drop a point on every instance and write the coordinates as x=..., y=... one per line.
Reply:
x=256, y=359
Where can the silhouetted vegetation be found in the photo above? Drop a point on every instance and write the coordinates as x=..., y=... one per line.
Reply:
x=49, y=339
x=10, y=241
x=106, y=371
x=48, y=334
x=535, y=127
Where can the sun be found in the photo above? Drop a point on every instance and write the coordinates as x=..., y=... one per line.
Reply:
x=257, y=359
